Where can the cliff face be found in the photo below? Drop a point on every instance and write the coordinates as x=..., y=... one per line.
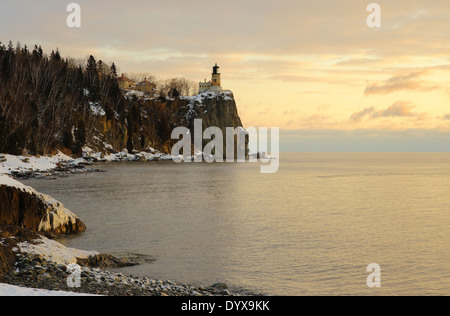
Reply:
x=152, y=124
x=218, y=110
x=23, y=207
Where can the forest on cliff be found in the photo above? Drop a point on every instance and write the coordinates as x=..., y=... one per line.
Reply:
x=45, y=101
x=50, y=103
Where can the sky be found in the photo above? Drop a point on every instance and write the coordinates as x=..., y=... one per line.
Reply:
x=312, y=68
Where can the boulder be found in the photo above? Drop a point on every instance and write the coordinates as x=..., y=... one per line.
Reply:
x=22, y=206
x=105, y=261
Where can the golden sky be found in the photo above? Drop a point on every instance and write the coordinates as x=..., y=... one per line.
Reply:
x=295, y=64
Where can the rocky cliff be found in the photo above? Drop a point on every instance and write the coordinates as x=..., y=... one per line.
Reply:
x=150, y=125
x=23, y=207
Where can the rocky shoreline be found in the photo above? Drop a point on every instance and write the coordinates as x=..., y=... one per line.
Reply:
x=52, y=268
x=59, y=171
x=36, y=272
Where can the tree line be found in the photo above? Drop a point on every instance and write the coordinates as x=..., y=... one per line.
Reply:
x=46, y=102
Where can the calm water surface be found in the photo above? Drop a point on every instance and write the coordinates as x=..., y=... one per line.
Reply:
x=310, y=229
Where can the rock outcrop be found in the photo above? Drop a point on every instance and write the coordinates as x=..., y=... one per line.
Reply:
x=105, y=261
x=9, y=237
x=155, y=119
x=23, y=207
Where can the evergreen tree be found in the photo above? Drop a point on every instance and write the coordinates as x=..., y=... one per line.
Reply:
x=6, y=67
x=114, y=71
x=18, y=47
x=35, y=53
x=55, y=56
x=175, y=93
x=91, y=67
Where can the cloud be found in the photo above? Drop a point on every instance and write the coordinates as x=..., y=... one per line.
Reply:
x=362, y=114
x=398, y=109
x=400, y=82
x=262, y=27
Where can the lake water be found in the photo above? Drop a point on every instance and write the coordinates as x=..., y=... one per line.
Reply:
x=310, y=229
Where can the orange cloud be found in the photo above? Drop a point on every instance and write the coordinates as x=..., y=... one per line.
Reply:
x=398, y=109
x=400, y=82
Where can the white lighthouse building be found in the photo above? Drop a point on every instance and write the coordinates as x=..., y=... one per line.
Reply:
x=214, y=85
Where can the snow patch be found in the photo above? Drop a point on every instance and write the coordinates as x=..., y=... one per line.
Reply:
x=124, y=155
x=10, y=163
x=96, y=109
x=10, y=182
x=130, y=93
x=12, y=290
x=54, y=251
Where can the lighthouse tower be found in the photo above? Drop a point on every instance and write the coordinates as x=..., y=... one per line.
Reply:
x=215, y=85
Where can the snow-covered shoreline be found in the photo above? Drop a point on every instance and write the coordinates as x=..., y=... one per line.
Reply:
x=13, y=290
x=18, y=166
x=10, y=164
x=91, y=155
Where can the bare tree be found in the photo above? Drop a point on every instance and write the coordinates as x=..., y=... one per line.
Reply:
x=184, y=86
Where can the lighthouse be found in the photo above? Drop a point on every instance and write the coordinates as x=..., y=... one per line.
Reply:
x=215, y=79
x=215, y=85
